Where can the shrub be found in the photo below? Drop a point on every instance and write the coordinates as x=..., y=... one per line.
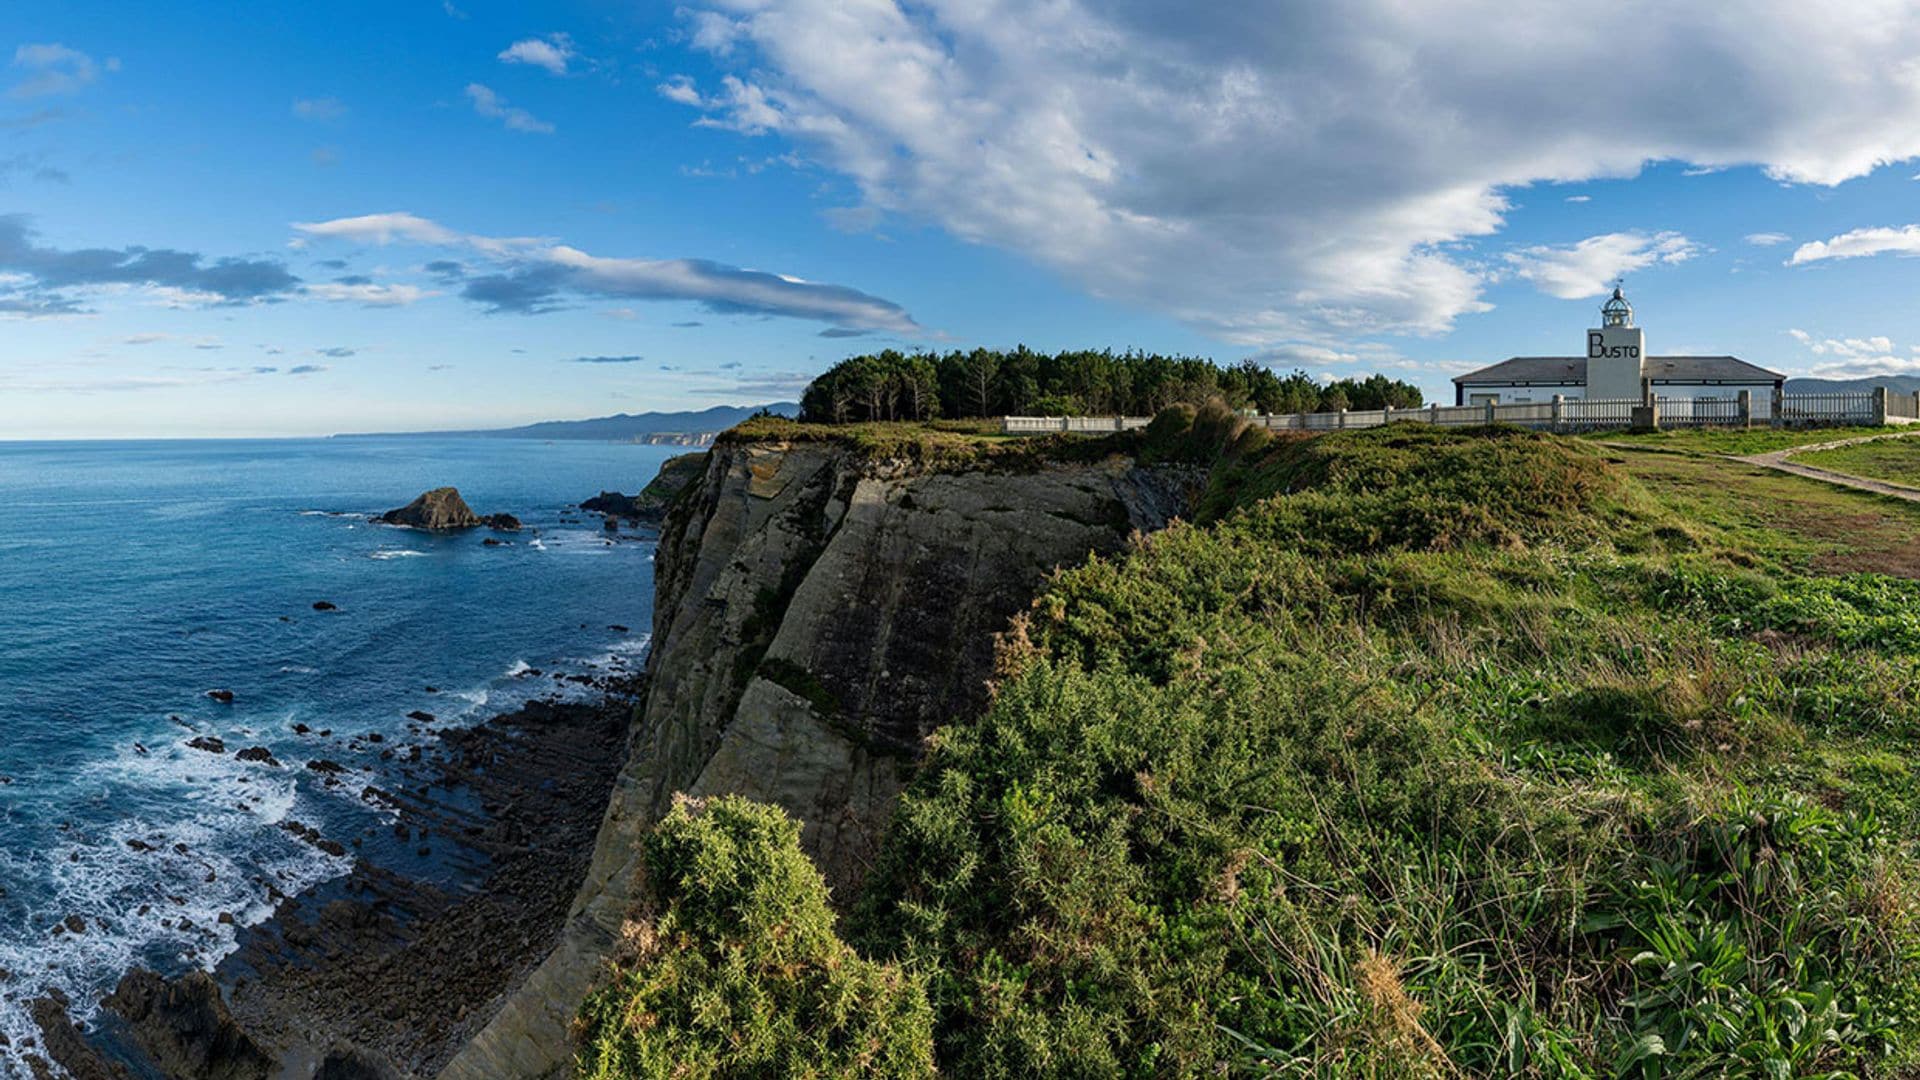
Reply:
x=740, y=973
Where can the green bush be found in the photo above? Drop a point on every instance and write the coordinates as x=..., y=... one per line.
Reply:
x=739, y=972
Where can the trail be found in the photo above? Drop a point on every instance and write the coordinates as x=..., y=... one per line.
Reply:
x=1778, y=460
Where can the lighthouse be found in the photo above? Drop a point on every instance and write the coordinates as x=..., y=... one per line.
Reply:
x=1616, y=352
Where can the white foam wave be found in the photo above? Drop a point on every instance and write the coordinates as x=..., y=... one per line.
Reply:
x=396, y=553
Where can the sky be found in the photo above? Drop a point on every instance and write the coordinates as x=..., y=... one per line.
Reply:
x=438, y=214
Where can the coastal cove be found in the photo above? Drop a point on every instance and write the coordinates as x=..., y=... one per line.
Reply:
x=136, y=578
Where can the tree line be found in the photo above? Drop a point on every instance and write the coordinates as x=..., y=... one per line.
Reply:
x=892, y=385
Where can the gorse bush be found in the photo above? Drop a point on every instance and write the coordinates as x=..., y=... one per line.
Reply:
x=739, y=973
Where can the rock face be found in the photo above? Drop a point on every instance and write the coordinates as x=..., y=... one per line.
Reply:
x=816, y=616
x=650, y=506
x=443, y=510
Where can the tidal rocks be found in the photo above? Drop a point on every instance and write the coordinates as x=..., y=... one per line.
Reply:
x=260, y=754
x=186, y=1028
x=443, y=510
x=210, y=743
x=224, y=697
x=322, y=765
x=325, y=605
x=421, y=715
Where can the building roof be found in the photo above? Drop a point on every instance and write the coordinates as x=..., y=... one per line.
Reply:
x=1573, y=369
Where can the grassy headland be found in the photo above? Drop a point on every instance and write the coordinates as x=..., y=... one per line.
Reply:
x=1424, y=753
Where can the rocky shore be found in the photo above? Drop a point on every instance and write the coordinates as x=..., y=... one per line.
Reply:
x=381, y=974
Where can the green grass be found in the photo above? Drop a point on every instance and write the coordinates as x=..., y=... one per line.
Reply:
x=1896, y=460
x=1760, y=440
x=1426, y=754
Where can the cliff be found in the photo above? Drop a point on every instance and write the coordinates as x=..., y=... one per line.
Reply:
x=821, y=606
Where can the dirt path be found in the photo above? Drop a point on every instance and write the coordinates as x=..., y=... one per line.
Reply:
x=1778, y=459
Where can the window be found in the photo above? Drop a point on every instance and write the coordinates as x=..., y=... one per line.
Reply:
x=1483, y=399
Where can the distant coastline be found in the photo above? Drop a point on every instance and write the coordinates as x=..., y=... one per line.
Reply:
x=648, y=428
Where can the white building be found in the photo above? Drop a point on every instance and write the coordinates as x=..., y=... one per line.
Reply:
x=1617, y=366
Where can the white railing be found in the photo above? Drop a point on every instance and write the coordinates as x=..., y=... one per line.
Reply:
x=1560, y=414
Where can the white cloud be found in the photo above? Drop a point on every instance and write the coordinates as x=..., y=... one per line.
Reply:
x=531, y=276
x=551, y=52
x=1767, y=239
x=680, y=90
x=1579, y=198
x=494, y=107
x=321, y=109
x=1855, y=357
x=1264, y=170
x=1858, y=244
x=370, y=295
x=1588, y=268
x=53, y=68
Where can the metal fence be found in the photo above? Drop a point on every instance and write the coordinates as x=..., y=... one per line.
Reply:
x=1873, y=407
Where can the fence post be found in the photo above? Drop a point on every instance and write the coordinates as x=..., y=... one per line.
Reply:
x=1746, y=408
x=1433, y=414
x=1879, y=406
x=1386, y=415
x=1066, y=423
x=1343, y=418
x=1559, y=411
x=1490, y=413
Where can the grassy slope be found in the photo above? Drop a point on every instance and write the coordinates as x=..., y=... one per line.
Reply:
x=1433, y=754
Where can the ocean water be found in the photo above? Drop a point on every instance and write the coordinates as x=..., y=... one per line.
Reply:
x=135, y=577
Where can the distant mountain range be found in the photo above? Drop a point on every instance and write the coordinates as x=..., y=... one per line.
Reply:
x=667, y=428
x=1902, y=384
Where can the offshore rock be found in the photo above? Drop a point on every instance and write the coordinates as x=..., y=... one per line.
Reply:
x=443, y=510
x=650, y=506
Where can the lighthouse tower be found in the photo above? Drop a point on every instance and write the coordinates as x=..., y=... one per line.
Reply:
x=1615, y=352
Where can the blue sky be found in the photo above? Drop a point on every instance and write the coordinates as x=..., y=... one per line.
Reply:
x=420, y=214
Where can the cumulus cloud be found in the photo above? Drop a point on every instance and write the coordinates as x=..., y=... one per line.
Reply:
x=40, y=280
x=551, y=52
x=1860, y=243
x=55, y=69
x=1856, y=357
x=1767, y=239
x=532, y=276
x=320, y=109
x=1577, y=271
x=369, y=294
x=1270, y=172
x=494, y=107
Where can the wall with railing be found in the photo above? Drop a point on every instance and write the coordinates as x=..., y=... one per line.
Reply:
x=1866, y=407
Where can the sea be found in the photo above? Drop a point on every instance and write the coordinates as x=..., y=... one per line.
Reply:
x=136, y=577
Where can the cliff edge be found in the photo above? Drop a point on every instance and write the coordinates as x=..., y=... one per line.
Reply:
x=820, y=608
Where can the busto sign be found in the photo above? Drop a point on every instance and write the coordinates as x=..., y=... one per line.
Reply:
x=1613, y=361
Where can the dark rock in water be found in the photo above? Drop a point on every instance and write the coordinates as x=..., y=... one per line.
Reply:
x=612, y=524
x=325, y=605
x=322, y=765
x=75, y=924
x=491, y=542
x=139, y=845
x=65, y=1044
x=301, y=729
x=437, y=510
x=618, y=629
x=433, y=689
x=224, y=697
x=502, y=522
x=421, y=715
x=353, y=1063
x=186, y=1028
x=258, y=753
x=209, y=743
x=650, y=506
x=374, y=736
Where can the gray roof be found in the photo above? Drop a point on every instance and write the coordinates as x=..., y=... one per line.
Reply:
x=1573, y=369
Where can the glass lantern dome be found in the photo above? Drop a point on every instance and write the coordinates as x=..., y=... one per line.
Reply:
x=1616, y=312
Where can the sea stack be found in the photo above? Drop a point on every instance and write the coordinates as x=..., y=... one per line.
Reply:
x=443, y=510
